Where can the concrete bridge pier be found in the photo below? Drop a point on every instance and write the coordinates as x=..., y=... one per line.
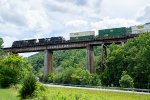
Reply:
x=48, y=62
x=90, y=59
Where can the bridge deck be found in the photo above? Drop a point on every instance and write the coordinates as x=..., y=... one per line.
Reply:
x=69, y=45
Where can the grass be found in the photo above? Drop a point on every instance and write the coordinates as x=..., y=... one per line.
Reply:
x=9, y=94
x=94, y=94
x=54, y=93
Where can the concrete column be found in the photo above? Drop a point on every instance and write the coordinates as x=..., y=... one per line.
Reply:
x=90, y=59
x=48, y=62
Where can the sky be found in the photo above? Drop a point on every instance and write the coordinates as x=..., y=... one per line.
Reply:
x=27, y=19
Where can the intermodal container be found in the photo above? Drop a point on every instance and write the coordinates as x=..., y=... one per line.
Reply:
x=140, y=28
x=113, y=32
x=82, y=35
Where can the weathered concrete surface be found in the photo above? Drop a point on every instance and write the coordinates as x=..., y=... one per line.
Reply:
x=90, y=59
x=48, y=62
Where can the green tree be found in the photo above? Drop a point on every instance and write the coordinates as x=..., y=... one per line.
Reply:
x=1, y=46
x=115, y=65
x=12, y=69
x=126, y=80
x=133, y=56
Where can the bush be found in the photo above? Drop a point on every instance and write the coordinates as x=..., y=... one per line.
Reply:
x=95, y=80
x=31, y=88
x=12, y=69
x=80, y=77
x=126, y=81
x=66, y=75
x=77, y=76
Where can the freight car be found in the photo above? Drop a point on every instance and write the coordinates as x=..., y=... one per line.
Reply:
x=82, y=35
x=124, y=31
x=114, y=32
x=138, y=29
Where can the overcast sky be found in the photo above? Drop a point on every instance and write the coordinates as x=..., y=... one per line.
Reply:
x=26, y=19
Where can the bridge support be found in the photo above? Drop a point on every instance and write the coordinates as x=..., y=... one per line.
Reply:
x=48, y=62
x=103, y=57
x=90, y=59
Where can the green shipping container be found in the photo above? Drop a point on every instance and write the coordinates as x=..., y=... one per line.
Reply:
x=113, y=32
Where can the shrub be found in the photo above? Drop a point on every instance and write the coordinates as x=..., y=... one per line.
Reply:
x=66, y=75
x=57, y=78
x=126, y=81
x=80, y=77
x=31, y=88
x=95, y=80
x=77, y=76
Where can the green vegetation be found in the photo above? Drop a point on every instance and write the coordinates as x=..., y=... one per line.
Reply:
x=64, y=59
x=133, y=57
x=93, y=95
x=12, y=70
x=31, y=88
x=75, y=94
x=77, y=76
x=9, y=94
x=126, y=81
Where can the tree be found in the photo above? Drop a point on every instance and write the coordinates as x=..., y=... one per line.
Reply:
x=126, y=81
x=12, y=69
x=1, y=46
x=138, y=58
x=133, y=56
x=115, y=64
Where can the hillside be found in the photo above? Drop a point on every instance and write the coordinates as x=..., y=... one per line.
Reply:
x=65, y=58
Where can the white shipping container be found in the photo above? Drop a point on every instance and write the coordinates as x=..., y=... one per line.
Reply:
x=78, y=34
x=140, y=29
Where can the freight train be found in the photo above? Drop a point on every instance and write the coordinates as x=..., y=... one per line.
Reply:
x=102, y=34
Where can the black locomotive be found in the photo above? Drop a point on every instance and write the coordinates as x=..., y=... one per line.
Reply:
x=38, y=42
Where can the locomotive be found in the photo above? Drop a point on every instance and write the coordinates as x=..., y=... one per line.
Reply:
x=104, y=33
x=38, y=42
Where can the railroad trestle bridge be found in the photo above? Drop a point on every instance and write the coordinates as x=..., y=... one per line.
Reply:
x=78, y=44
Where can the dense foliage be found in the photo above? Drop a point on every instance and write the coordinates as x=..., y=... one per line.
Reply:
x=133, y=56
x=31, y=88
x=126, y=81
x=77, y=76
x=12, y=69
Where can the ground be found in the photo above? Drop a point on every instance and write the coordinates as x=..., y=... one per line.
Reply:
x=60, y=93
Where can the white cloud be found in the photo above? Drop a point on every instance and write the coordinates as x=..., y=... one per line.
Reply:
x=144, y=14
x=122, y=8
x=24, y=19
x=112, y=23
x=8, y=41
x=77, y=25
